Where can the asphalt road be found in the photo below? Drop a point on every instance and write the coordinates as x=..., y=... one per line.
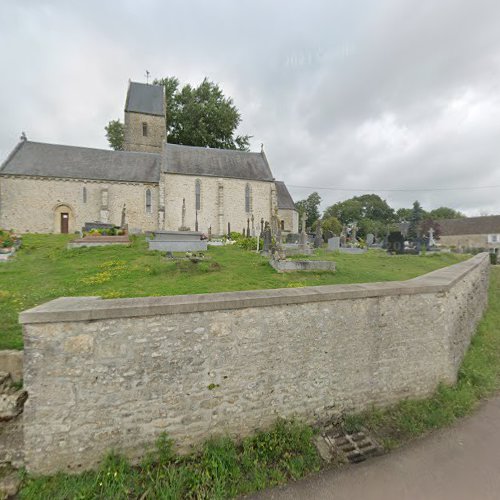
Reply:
x=458, y=463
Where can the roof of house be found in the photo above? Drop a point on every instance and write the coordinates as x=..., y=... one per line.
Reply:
x=285, y=201
x=54, y=160
x=470, y=225
x=146, y=99
x=191, y=160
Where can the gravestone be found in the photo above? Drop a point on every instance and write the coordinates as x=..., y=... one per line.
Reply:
x=318, y=237
x=396, y=242
x=334, y=243
x=370, y=239
x=183, y=220
x=267, y=239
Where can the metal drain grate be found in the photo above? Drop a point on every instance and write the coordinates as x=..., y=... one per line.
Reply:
x=356, y=447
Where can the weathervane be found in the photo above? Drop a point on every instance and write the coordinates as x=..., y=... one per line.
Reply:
x=148, y=74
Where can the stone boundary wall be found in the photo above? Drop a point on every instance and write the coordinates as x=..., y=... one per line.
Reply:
x=114, y=374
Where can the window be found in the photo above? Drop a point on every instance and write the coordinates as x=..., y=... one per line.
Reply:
x=248, y=198
x=493, y=238
x=282, y=225
x=84, y=194
x=148, y=201
x=144, y=129
x=197, y=193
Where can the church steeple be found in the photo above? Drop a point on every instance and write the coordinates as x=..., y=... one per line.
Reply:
x=145, y=126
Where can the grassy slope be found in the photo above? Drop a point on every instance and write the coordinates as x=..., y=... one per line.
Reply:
x=224, y=469
x=44, y=270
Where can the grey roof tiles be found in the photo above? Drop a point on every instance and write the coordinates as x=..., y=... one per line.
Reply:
x=146, y=99
x=53, y=160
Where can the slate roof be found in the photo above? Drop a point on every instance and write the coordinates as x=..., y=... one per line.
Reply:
x=471, y=225
x=53, y=160
x=285, y=201
x=190, y=160
x=146, y=99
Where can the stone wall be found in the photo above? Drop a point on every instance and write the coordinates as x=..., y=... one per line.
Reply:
x=43, y=199
x=291, y=219
x=222, y=201
x=467, y=241
x=114, y=374
x=134, y=140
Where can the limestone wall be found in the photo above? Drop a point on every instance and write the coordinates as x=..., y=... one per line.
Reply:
x=222, y=201
x=291, y=219
x=34, y=204
x=467, y=241
x=134, y=140
x=114, y=374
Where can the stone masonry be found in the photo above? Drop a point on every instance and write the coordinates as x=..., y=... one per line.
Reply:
x=115, y=374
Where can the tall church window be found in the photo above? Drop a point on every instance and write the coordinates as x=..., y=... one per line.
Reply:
x=148, y=201
x=144, y=129
x=197, y=192
x=84, y=194
x=248, y=198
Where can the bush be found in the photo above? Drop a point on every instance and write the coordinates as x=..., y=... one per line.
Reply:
x=248, y=243
x=493, y=258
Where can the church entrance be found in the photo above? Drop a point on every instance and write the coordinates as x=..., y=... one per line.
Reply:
x=64, y=222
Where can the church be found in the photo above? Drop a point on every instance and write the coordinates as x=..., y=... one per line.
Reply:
x=53, y=188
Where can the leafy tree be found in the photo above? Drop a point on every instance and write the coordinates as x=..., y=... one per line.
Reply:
x=115, y=133
x=403, y=214
x=367, y=206
x=201, y=116
x=332, y=224
x=197, y=116
x=311, y=208
x=446, y=213
x=416, y=217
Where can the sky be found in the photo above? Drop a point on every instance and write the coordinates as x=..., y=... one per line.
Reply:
x=396, y=97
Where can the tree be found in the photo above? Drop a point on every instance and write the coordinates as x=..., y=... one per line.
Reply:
x=427, y=224
x=446, y=213
x=416, y=217
x=332, y=224
x=311, y=208
x=198, y=116
x=403, y=214
x=201, y=116
x=367, y=206
x=115, y=133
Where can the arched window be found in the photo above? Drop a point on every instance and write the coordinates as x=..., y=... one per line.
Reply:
x=84, y=194
x=282, y=225
x=148, y=201
x=197, y=193
x=248, y=198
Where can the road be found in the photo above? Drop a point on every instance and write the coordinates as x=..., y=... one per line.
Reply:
x=458, y=463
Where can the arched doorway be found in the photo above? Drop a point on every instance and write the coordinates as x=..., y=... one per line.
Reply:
x=63, y=219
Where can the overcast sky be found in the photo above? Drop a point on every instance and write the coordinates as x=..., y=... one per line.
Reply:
x=351, y=95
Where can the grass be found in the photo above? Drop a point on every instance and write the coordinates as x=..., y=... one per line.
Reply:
x=44, y=269
x=221, y=469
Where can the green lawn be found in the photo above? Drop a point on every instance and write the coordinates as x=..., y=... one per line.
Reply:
x=44, y=270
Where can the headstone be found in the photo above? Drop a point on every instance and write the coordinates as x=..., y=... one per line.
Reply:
x=343, y=237
x=396, y=242
x=262, y=227
x=196, y=221
x=267, y=238
x=354, y=234
x=370, y=239
x=253, y=226
x=248, y=228
x=183, y=219
x=124, y=209
x=334, y=243
x=210, y=233
x=318, y=237
x=229, y=230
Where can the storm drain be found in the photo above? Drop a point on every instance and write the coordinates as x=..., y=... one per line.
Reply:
x=355, y=447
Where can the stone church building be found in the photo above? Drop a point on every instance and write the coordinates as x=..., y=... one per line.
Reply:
x=51, y=188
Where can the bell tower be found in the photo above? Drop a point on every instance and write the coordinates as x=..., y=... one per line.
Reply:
x=145, y=126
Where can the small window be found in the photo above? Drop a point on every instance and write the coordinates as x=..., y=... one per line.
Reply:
x=148, y=201
x=84, y=194
x=248, y=198
x=282, y=225
x=144, y=129
x=197, y=192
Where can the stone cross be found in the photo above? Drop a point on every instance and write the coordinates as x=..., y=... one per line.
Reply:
x=318, y=237
x=303, y=222
x=253, y=226
x=262, y=227
x=248, y=228
x=432, y=241
x=354, y=232
x=267, y=238
x=183, y=212
x=124, y=209
x=196, y=221
x=210, y=233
